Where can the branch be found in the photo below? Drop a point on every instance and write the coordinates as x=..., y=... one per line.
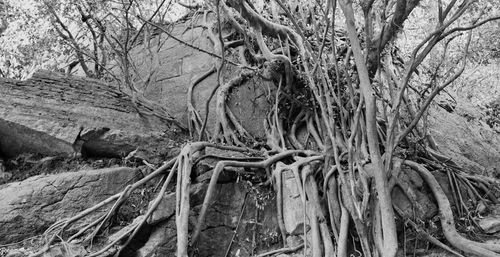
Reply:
x=386, y=210
x=436, y=91
x=69, y=37
x=470, y=27
x=389, y=30
x=195, y=47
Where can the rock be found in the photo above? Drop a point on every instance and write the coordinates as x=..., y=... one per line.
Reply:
x=204, y=169
x=57, y=106
x=66, y=250
x=251, y=103
x=235, y=211
x=16, y=139
x=166, y=208
x=16, y=253
x=490, y=224
x=29, y=207
x=182, y=65
x=421, y=206
x=162, y=242
x=4, y=176
x=293, y=211
x=470, y=143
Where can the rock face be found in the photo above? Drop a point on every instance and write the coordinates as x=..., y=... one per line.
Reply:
x=293, y=214
x=468, y=140
x=16, y=139
x=51, y=114
x=181, y=65
x=237, y=211
x=27, y=208
x=491, y=223
x=58, y=105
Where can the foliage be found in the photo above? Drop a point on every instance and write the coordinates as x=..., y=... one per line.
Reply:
x=51, y=35
x=29, y=42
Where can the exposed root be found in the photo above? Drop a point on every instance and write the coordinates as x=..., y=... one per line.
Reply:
x=282, y=250
x=55, y=231
x=426, y=235
x=447, y=221
x=229, y=130
x=218, y=169
x=195, y=122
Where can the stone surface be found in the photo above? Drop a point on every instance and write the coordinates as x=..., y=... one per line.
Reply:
x=236, y=211
x=422, y=206
x=16, y=253
x=58, y=106
x=66, y=250
x=162, y=242
x=181, y=65
x=468, y=140
x=293, y=213
x=28, y=207
x=490, y=224
x=16, y=139
x=166, y=208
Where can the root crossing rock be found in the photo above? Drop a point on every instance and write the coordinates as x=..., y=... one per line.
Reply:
x=27, y=208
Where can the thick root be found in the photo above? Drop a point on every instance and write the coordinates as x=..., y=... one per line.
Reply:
x=447, y=221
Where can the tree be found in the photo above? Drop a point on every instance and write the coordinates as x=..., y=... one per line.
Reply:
x=355, y=99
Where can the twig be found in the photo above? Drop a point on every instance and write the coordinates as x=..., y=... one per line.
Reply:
x=237, y=225
x=195, y=47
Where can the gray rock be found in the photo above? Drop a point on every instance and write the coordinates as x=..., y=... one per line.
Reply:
x=235, y=211
x=166, y=208
x=66, y=250
x=16, y=253
x=490, y=224
x=182, y=65
x=162, y=242
x=293, y=212
x=471, y=144
x=29, y=207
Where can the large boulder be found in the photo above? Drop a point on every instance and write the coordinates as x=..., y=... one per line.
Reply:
x=239, y=214
x=464, y=136
x=184, y=62
x=29, y=207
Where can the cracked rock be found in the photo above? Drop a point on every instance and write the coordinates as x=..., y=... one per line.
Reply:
x=29, y=207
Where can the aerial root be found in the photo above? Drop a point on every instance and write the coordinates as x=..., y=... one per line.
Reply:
x=195, y=122
x=227, y=127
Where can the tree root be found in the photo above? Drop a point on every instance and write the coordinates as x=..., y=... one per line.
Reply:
x=195, y=122
x=426, y=235
x=227, y=128
x=282, y=250
x=447, y=221
x=218, y=169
